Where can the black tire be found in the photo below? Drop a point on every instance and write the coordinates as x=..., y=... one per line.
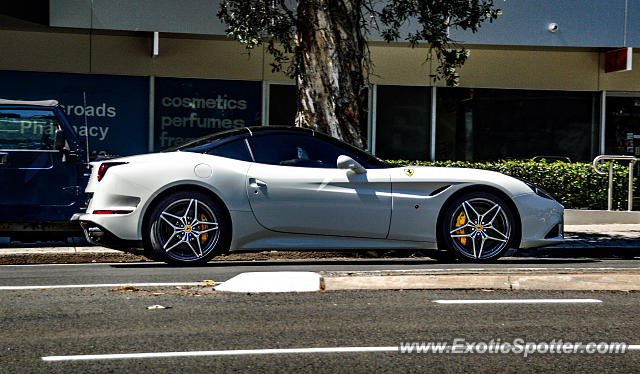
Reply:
x=186, y=228
x=478, y=227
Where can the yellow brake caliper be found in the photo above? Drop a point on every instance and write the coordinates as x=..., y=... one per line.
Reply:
x=460, y=221
x=203, y=237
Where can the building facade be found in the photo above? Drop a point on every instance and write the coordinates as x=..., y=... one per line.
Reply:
x=148, y=74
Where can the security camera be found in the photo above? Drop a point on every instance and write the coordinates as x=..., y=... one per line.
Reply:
x=552, y=27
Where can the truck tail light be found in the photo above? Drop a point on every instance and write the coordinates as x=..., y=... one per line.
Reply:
x=102, y=170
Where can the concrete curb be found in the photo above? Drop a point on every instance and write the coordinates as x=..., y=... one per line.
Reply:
x=481, y=271
x=57, y=250
x=600, y=281
x=600, y=217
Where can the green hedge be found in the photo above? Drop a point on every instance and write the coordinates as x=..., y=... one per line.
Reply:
x=574, y=185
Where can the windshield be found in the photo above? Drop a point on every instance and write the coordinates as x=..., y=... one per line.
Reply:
x=202, y=144
x=367, y=159
x=206, y=143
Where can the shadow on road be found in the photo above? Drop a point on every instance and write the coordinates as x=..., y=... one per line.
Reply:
x=389, y=261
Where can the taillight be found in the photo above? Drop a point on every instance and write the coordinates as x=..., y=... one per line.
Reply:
x=112, y=211
x=102, y=170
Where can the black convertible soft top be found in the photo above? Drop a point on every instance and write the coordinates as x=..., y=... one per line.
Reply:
x=25, y=102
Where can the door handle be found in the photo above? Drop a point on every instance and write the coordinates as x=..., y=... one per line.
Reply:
x=256, y=183
x=4, y=158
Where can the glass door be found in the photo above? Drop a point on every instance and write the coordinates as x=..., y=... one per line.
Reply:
x=622, y=135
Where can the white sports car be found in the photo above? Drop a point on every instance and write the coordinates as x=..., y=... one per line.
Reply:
x=289, y=188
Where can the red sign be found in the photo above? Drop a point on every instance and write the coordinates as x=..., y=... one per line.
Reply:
x=617, y=60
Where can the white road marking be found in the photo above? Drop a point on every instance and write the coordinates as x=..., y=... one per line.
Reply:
x=233, y=352
x=243, y=352
x=275, y=281
x=88, y=264
x=102, y=285
x=518, y=301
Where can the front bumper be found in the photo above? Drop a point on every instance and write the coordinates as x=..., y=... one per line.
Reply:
x=542, y=221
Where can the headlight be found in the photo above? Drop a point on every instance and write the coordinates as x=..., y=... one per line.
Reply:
x=539, y=191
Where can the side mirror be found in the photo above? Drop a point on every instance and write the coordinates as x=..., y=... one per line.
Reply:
x=346, y=162
x=60, y=141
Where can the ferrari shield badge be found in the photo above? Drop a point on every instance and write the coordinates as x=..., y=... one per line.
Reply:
x=409, y=172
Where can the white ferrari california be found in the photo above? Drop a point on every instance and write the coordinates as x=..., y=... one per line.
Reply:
x=290, y=188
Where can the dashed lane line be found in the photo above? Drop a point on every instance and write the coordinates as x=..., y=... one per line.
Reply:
x=244, y=352
x=235, y=352
x=518, y=301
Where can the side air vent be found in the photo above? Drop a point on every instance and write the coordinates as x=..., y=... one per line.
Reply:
x=555, y=232
x=441, y=189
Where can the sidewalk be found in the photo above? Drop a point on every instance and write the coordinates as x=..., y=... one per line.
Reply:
x=609, y=280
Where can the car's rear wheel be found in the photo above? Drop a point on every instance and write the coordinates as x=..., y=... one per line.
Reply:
x=187, y=228
x=478, y=226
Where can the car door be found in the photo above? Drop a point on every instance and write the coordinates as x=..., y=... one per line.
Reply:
x=294, y=186
x=35, y=183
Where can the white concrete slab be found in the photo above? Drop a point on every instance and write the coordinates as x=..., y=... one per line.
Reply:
x=278, y=281
x=600, y=217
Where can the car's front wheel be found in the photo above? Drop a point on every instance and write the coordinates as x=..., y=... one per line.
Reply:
x=187, y=228
x=478, y=226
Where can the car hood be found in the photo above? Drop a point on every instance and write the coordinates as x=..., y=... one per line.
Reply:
x=445, y=175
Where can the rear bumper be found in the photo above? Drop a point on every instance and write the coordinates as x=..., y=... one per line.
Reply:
x=124, y=226
x=99, y=235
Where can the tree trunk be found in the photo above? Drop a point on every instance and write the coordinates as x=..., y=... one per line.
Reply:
x=330, y=51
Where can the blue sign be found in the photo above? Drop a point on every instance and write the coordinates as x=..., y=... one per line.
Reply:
x=117, y=108
x=190, y=108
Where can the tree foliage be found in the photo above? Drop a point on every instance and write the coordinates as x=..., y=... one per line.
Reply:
x=276, y=23
x=323, y=45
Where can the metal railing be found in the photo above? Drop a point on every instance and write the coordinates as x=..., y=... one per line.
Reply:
x=632, y=161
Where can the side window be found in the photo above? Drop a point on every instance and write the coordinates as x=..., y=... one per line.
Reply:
x=294, y=150
x=27, y=129
x=236, y=150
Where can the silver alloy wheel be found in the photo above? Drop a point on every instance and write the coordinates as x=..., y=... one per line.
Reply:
x=479, y=228
x=187, y=229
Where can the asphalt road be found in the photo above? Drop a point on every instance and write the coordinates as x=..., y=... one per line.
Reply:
x=62, y=322
x=123, y=273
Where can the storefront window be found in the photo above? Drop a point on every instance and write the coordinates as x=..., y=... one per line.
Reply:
x=188, y=108
x=491, y=124
x=282, y=104
x=402, y=122
x=623, y=126
x=283, y=107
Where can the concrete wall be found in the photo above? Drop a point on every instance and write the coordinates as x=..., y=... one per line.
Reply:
x=184, y=16
x=32, y=47
x=532, y=68
x=40, y=48
x=582, y=23
x=179, y=57
x=621, y=81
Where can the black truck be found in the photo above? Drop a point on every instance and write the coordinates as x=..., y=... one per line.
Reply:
x=43, y=171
